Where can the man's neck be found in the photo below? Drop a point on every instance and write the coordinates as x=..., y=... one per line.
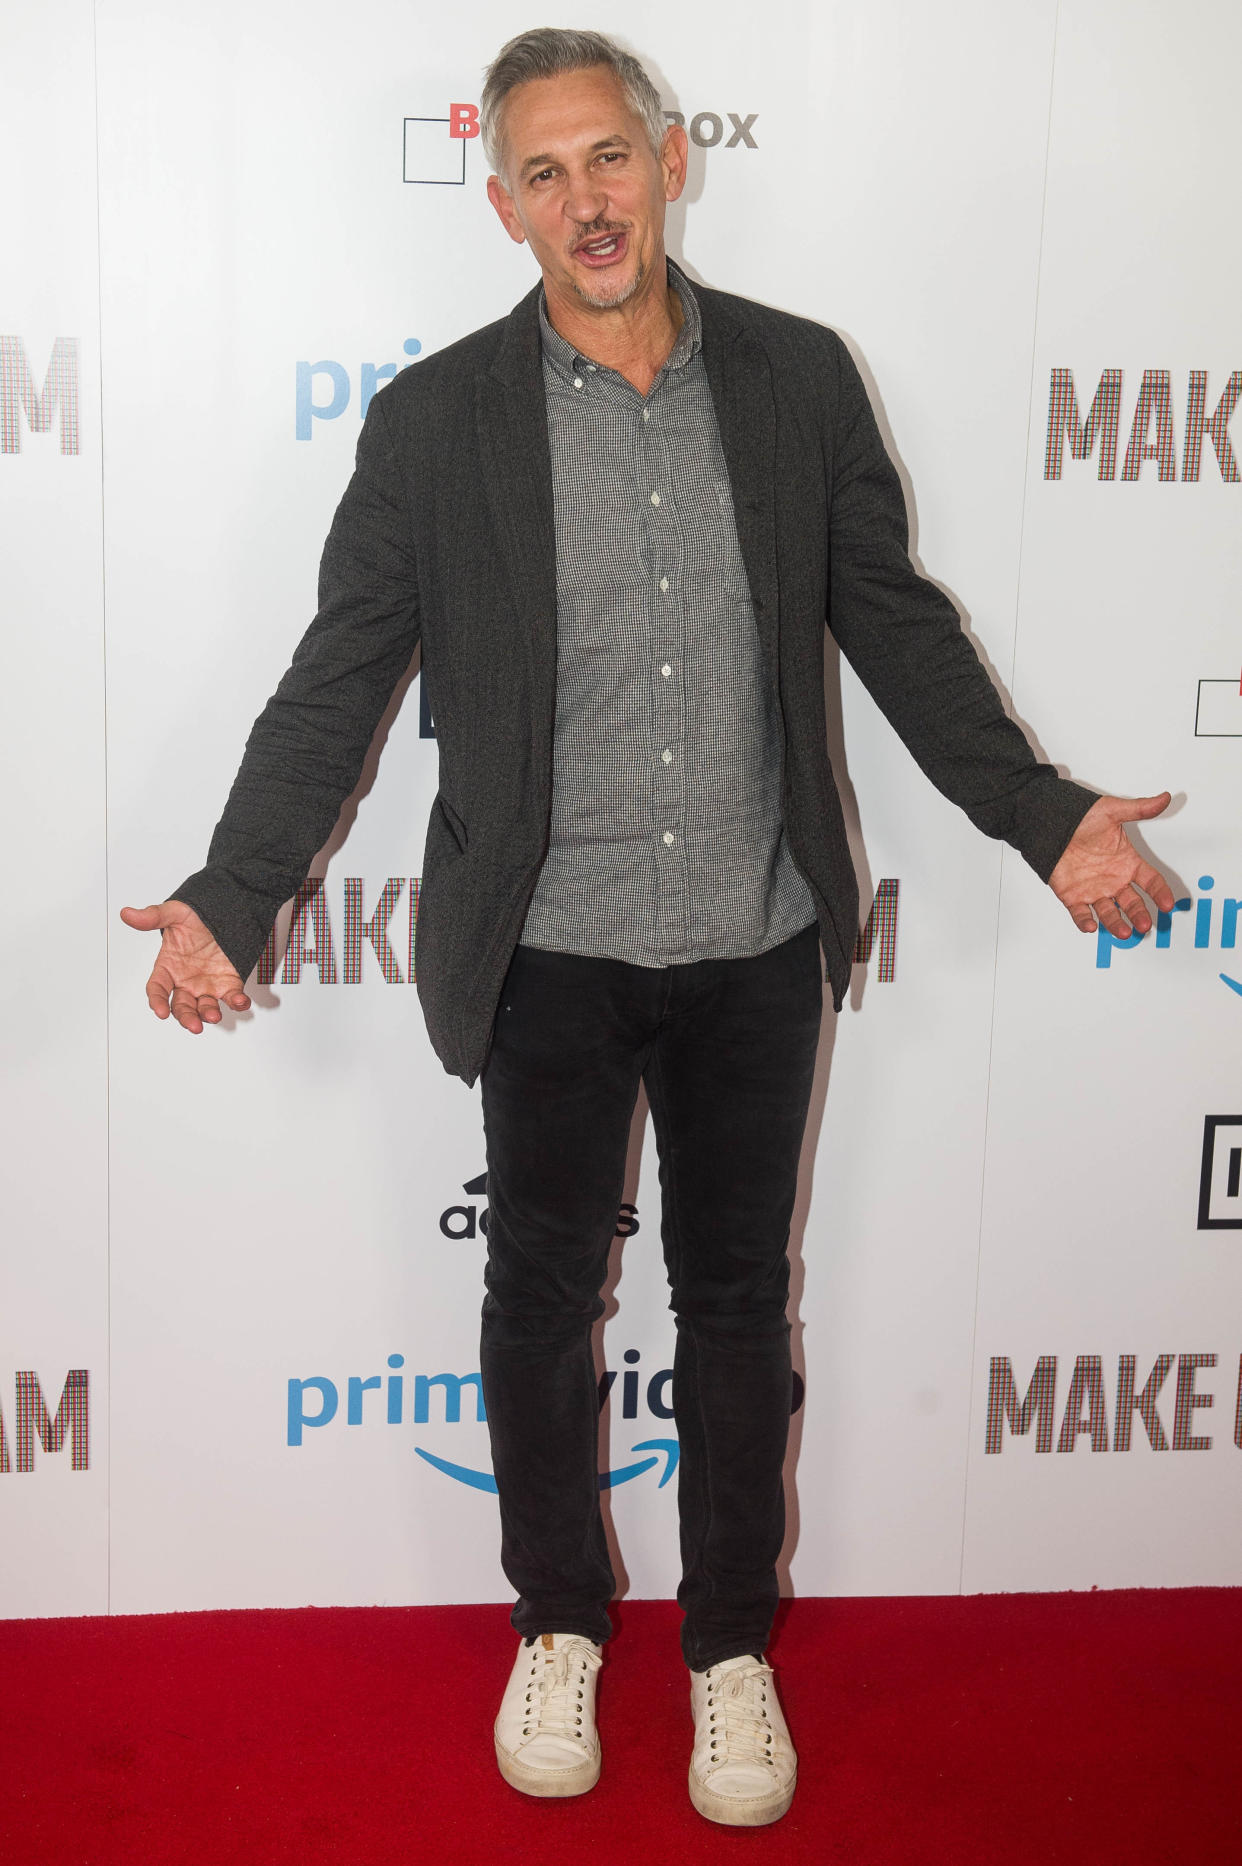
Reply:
x=635, y=338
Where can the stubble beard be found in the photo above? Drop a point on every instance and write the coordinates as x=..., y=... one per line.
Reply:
x=606, y=299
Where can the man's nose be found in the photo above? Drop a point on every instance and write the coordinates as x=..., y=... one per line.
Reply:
x=585, y=199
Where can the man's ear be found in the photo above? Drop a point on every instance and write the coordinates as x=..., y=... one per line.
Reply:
x=674, y=157
x=502, y=201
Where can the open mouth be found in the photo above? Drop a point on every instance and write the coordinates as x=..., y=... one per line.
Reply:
x=601, y=250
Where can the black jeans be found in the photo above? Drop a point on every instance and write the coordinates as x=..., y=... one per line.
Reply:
x=726, y=1048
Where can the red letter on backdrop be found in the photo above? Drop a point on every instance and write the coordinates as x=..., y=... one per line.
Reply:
x=463, y=121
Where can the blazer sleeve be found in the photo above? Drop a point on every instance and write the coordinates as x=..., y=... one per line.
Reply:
x=904, y=638
x=306, y=749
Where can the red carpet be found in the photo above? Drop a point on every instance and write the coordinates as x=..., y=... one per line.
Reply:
x=1009, y=1730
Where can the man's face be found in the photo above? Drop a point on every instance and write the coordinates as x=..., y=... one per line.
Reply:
x=582, y=185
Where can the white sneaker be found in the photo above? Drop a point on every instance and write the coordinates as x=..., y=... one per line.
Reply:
x=545, y=1733
x=743, y=1770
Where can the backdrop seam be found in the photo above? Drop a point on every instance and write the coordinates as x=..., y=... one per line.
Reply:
x=103, y=618
x=1000, y=874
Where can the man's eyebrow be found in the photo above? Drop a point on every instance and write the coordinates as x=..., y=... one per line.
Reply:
x=535, y=162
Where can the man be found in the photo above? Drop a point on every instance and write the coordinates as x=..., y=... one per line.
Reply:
x=618, y=521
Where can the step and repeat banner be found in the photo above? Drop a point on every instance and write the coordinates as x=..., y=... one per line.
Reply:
x=241, y=1274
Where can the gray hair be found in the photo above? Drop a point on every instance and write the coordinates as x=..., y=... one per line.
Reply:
x=546, y=52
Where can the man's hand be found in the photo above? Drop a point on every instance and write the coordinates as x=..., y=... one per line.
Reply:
x=1101, y=871
x=190, y=969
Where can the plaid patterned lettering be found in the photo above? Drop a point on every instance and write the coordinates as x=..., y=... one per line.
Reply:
x=1087, y=1383
x=416, y=889
x=375, y=929
x=59, y=391
x=72, y=1415
x=309, y=904
x=1003, y=1402
x=881, y=924
x=5, y=1465
x=1187, y=1400
x=269, y=959
x=1237, y=1416
x=1153, y=399
x=1217, y=426
x=1063, y=423
x=1144, y=1403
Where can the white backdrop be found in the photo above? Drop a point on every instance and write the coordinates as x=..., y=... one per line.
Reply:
x=244, y=220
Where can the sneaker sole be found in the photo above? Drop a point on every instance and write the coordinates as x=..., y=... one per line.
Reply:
x=558, y=1783
x=732, y=1811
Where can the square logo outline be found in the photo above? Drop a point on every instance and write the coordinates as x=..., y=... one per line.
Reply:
x=428, y=181
x=1199, y=708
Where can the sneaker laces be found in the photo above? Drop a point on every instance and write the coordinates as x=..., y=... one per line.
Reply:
x=559, y=1688
x=738, y=1715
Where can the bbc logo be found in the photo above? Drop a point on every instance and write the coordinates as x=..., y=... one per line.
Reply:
x=1220, y=1183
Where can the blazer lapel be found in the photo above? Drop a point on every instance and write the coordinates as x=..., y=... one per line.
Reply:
x=740, y=379
x=516, y=465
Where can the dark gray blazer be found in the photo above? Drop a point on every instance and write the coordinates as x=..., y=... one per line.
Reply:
x=445, y=533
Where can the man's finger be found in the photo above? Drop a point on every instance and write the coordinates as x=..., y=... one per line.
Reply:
x=145, y=919
x=1153, y=883
x=209, y=1010
x=1111, y=918
x=1082, y=917
x=1134, y=907
x=1138, y=809
x=157, y=995
x=185, y=1010
x=237, y=1001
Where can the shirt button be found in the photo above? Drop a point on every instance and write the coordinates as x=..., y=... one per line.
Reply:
x=663, y=583
x=668, y=836
x=577, y=382
x=666, y=670
x=655, y=498
x=646, y=414
x=667, y=756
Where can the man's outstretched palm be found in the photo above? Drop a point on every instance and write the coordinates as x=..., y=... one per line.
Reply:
x=191, y=978
x=1099, y=876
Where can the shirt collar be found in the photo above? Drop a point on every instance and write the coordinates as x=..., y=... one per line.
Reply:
x=569, y=362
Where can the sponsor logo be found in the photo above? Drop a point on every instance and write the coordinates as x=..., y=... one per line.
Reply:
x=1153, y=426
x=668, y=1448
x=57, y=397
x=707, y=128
x=1090, y=1411
x=1218, y=710
x=386, y=938
x=433, y=148
x=336, y=385
x=471, y=1221
x=314, y=1403
x=1220, y=1176
x=33, y=1420
x=1208, y=925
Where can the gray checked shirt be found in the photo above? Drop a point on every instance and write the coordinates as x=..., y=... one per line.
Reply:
x=667, y=843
